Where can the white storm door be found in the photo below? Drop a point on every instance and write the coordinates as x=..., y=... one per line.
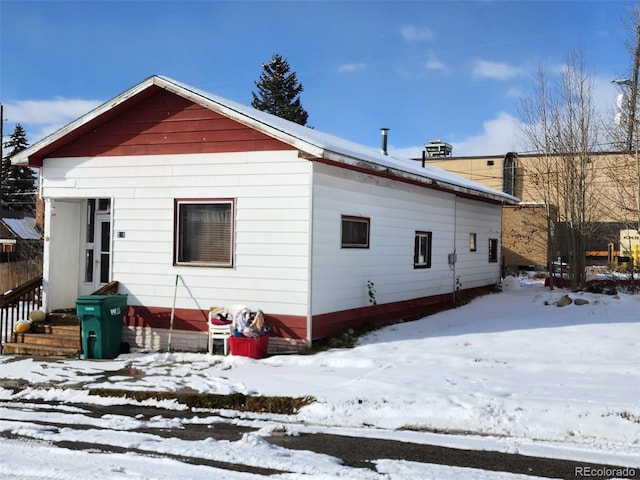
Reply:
x=97, y=252
x=103, y=250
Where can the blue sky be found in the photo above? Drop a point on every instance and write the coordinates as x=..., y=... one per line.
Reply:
x=454, y=70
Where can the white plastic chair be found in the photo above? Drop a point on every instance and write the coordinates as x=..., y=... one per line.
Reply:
x=222, y=332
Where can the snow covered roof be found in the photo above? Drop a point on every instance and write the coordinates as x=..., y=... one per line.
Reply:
x=24, y=228
x=311, y=141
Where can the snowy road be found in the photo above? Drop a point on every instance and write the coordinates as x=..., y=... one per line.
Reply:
x=148, y=437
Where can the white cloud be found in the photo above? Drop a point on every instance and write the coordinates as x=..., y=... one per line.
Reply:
x=499, y=136
x=58, y=110
x=43, y=117
x=434, y=64
x=415, y=34
x=604, y=95
x=515, y=92
x=351, y=67
x=495, y=70
x=407, y=152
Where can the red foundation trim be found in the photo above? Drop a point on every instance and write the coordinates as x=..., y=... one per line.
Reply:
x=295, y=326
x=285, y=326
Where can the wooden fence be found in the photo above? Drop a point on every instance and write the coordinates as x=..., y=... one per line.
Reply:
x=14, y=274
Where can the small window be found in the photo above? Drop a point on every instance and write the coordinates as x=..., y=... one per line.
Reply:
x=91, y=217
x=472, y=242
x=204, y=233
x=88, y=265
x=104, y=205
x=355, y=232
x=422, y=250
x=493, y=249
x=509, y=174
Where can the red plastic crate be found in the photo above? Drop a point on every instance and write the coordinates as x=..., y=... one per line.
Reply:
x=249, y=347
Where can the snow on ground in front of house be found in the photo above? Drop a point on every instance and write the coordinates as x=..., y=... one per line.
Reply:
x=46, y=462
x=510, y=372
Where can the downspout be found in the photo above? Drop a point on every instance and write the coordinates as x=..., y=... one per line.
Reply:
x=310, y=260
x=455, y=234
x=503, y=267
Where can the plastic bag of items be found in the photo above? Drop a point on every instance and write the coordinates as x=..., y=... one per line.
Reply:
x=249, y=324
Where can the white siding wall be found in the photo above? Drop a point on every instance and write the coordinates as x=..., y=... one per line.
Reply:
x=473, y=268
x=396, y=211
x=272, y=192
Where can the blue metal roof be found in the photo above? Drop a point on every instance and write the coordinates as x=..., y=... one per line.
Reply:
x=24, y=228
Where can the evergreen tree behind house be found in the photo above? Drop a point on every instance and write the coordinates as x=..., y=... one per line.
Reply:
x=17, y=183
x=279, y=90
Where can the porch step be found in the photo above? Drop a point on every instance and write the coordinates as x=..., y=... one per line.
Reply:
x=56, y=329
x=58, y=335
x=61, y=318
x=49, y=340
x=38, y=350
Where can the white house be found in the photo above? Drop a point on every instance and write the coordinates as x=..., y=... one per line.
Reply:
x=166, y=181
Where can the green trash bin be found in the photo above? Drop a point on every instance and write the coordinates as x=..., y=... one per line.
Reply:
x=101, y=324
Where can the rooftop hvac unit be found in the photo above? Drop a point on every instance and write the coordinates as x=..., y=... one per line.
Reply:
x=437, y=148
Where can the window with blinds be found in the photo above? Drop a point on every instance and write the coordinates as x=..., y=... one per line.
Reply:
x=204, y=233
x=355, y=232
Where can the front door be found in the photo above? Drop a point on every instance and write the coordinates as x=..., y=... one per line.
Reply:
x=97, y=251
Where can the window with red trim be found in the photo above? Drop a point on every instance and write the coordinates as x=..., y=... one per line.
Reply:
x=355, y=232
x=204, y=233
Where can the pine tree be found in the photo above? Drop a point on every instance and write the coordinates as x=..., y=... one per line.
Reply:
x=17, y=182
x=278, y=91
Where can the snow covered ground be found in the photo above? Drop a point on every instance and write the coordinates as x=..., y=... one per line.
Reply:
x=509, y=372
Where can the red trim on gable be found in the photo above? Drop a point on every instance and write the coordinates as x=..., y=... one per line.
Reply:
x=160, y=123
x=35, y=160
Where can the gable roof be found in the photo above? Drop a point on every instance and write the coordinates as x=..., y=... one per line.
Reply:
x=23, y=228
x=311, y=142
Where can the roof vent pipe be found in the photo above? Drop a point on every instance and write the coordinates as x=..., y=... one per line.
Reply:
x=383, y=146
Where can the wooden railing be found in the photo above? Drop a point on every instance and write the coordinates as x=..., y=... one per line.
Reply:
x=16, y=305
x=108, y=289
